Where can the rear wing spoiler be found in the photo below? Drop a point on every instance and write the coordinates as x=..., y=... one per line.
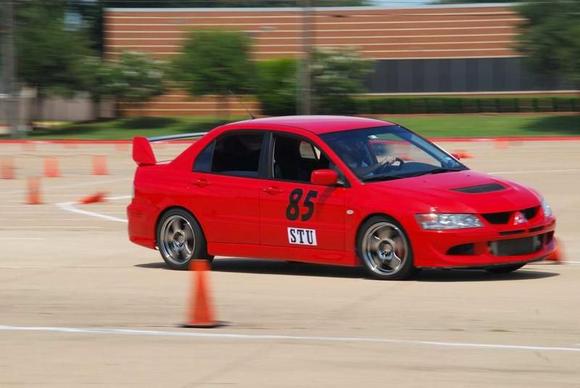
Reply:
x=143, y=154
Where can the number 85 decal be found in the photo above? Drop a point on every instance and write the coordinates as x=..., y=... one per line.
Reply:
x=293, y=209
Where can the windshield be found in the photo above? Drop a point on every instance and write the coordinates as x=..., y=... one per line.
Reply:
x=390, y=152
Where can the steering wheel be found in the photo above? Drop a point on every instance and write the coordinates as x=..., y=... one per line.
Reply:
x=381, y=166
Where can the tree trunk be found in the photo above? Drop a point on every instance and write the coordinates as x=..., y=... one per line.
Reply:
x=117, y=108
x=226, y=108
x=96, y=107
x=223, y=107
x=36, y=111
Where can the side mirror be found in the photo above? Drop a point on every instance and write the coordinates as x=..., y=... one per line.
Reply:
x=325, y=177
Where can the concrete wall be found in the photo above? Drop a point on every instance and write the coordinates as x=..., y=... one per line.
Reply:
x=78, y=108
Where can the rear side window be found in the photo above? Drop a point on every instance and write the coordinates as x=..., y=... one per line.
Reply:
x=203, y=161
x=236, y=154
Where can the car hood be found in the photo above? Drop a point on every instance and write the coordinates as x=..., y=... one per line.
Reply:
x=461, y=191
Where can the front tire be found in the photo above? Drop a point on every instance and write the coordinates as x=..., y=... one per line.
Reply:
x=180, y=239
x=384, y=249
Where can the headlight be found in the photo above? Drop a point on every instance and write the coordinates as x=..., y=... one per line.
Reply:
x=546, y=209
x=439, y=221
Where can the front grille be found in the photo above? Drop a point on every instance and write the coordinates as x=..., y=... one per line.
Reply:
x=497, y=218
x=504, y=217
x=530, y=212
x=515, y=247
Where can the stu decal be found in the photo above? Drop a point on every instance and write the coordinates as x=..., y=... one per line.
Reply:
x=300, y=236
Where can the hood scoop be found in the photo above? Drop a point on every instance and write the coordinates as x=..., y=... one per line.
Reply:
x=487, y=188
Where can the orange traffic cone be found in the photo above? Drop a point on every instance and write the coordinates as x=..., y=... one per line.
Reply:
x=558, y=255
x=93, y=198
x=100, y=165
x=461, y=154
x=51, y=169
x=34, y=191
x=7, y=169
x=200, y=309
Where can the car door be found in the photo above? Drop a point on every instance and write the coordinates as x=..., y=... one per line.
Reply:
x=226, y=184
x=298, y=219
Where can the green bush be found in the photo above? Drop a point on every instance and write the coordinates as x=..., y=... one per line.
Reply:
x=407, y=105
x=215, y=62
x=276, y=86
x=337, y=75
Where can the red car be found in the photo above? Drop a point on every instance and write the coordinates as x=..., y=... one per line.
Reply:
x=333, y=190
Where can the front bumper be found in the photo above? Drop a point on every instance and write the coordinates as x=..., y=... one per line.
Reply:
x=487, y=246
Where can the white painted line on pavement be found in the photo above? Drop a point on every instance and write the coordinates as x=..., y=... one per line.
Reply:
x=274, y=337
x=70, y=207
x=535, y=171
x=119, y=197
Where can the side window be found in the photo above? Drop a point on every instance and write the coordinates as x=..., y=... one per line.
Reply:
x=203, y=161
x=295, y=159
x=237, y=154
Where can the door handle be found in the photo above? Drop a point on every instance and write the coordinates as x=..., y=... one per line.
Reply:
x=200, y=182
x=272, y=190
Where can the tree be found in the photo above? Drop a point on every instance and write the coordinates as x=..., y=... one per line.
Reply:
x=550, y=37
x=98, y=79
x=215, y=63
x=337, y=74
x=91, y=14
x=134, y=78
x=47, y=51
x=276, y=88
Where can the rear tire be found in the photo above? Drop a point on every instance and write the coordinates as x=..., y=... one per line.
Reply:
x=180, y=239
x=504, y=268
x=385, y=250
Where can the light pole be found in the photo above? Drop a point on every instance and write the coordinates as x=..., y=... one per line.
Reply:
x=304, y=102
x=12, y=105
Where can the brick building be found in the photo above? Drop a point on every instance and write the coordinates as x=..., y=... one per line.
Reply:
x=429, y=49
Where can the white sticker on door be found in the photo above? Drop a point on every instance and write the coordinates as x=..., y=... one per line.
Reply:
x=300, y=236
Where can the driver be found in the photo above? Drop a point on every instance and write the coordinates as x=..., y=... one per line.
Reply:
x=357, y=156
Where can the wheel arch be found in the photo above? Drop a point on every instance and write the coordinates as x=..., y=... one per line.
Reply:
x=365, y=219
x=380, y=214
x=409, y=269
x=176, y=207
